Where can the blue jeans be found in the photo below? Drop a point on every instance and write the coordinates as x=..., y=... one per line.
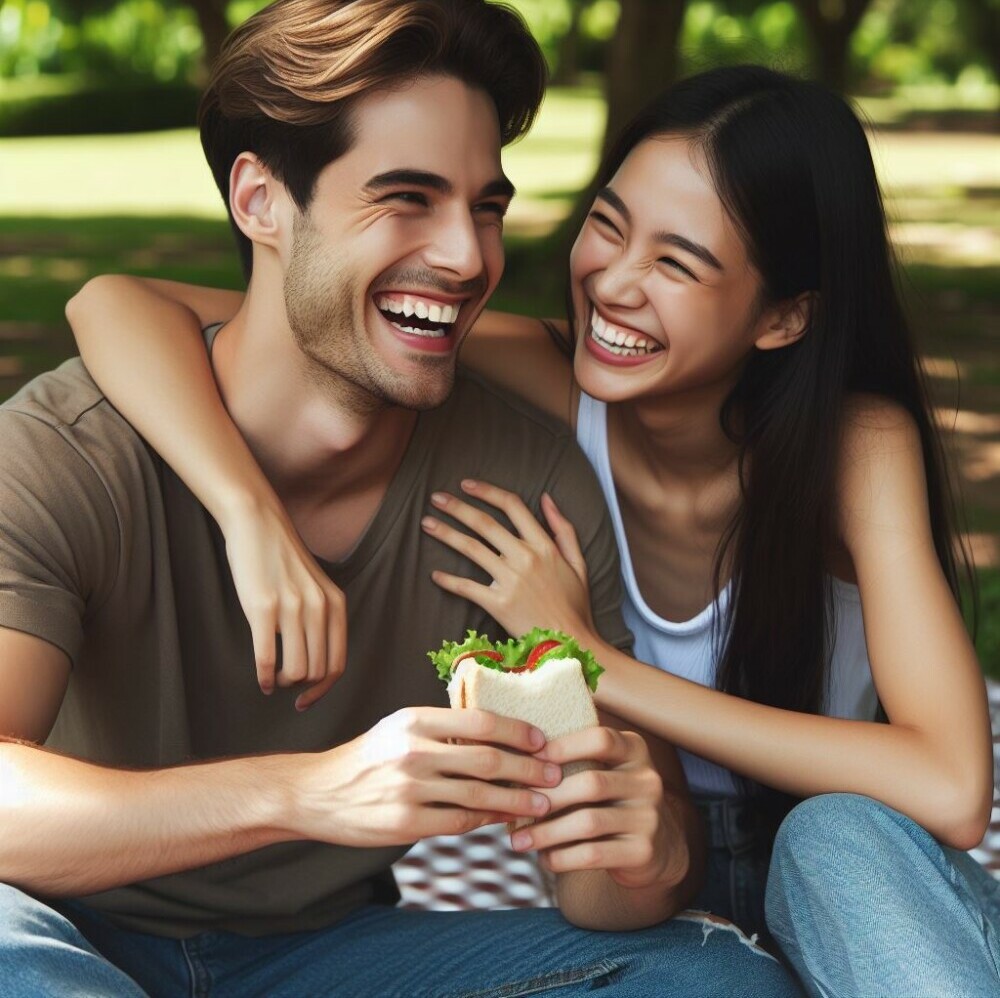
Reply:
x=379, y=952
x=864, y=902
x=737, y=861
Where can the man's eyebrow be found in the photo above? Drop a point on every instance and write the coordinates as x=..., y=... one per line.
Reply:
x=409, y=178
x=434, y=181
x=672, y=238
x=501, y=186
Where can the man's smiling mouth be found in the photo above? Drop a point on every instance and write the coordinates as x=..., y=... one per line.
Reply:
x=418, y=316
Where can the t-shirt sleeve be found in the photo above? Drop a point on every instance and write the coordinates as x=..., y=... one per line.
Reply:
x=58, y=533
x=576, y=491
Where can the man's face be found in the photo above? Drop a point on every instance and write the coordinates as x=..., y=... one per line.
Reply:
x=401, y=245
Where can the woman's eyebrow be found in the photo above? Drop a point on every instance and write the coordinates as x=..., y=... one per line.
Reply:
x=695, y=249
x=672, y=238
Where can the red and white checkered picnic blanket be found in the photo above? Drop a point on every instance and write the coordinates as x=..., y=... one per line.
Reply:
x=480, y=870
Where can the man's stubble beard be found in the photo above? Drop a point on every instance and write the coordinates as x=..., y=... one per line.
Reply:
x=320, y=298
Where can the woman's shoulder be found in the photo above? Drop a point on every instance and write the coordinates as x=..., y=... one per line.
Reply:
x=880, y=474
x=876, y=428
x=528, y=356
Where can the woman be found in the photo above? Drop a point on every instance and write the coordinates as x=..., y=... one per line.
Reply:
x=738, y=369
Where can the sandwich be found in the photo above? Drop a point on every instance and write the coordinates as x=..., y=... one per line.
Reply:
x=545, y=678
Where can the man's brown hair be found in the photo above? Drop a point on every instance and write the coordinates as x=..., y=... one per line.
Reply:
x=288, y=78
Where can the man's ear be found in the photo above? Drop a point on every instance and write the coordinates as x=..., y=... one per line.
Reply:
x=256, y=199
x=787, y=322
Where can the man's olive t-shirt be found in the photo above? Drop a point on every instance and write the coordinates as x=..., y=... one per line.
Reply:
x=106, y=554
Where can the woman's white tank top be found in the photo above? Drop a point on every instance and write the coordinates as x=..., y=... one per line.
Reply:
x=686, y=649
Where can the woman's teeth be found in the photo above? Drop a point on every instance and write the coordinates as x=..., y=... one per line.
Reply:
x=427, y=318
x=617, y=342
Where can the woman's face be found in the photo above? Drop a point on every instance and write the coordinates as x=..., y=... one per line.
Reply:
x=663, y=291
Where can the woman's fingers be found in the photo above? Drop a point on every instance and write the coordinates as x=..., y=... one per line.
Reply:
x=565, y=537
x=475, y=550
x=512, y=505
x=479, y=521
x=475, y=592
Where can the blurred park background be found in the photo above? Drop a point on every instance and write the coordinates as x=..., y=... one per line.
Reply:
x=101, y=169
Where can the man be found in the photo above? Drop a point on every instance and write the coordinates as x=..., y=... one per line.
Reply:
x=181, y=833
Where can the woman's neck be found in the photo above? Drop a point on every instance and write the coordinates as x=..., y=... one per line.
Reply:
x=678, y=439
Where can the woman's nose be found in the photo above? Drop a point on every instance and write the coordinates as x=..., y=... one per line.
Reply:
x=620, y=284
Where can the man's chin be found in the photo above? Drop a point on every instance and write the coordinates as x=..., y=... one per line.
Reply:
x=423, y=394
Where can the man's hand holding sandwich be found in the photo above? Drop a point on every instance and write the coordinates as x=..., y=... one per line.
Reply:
x=621, y=834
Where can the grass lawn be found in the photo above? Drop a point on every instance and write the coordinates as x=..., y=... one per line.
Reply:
x=71, y=208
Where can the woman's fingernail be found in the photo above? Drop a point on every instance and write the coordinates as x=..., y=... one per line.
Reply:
x=539, y=803
x=470, y=483
x=537, y=737
x=429, y=523
x=521, y=840
x=439, y=498
x=553, y=773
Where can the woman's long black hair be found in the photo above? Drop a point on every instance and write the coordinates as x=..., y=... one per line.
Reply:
x=791, y=164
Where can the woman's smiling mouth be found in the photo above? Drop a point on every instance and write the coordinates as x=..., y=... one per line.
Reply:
x=613, y=345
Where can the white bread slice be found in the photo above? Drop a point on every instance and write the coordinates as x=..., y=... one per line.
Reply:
x=555, y=698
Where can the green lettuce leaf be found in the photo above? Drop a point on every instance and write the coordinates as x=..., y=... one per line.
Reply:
x=444, y=658
x=515, y=653
x=568, y=648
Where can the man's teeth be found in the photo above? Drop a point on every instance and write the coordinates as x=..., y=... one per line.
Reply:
x=618, y=342
x=409, y=305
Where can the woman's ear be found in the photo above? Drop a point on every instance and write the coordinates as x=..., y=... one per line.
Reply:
x=255, y=199
x=787, y=322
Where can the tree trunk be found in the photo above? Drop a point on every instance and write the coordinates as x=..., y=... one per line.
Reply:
x=985, y=18
x=214, y=27
x=830, y=24
x=568, y=53
x=642, y=61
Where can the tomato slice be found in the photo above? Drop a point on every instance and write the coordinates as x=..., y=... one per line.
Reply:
x=536, y=653
x=485, y=653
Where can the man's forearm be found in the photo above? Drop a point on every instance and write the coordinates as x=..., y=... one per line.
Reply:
x=591, y=899
x=69, y=828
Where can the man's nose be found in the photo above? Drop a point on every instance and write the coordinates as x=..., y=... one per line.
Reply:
x=456, y=247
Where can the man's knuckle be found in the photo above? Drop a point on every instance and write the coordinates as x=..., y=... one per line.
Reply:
x=595, y=783
x=591, y=823
x=461, y=821
x=483, y=724
x=489, y=762
x=644, y=853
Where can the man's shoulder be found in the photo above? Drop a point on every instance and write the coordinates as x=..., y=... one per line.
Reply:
x=485, y=431
x=478, y=406
x=67, y=401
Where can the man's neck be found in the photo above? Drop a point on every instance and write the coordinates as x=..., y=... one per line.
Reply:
x=313, y=445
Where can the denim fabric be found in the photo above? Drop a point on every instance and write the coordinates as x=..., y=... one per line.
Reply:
x=736, y=864
x=865, y=902
x=380, y=952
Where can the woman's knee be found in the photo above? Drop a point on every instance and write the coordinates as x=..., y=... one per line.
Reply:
x=834, y=827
